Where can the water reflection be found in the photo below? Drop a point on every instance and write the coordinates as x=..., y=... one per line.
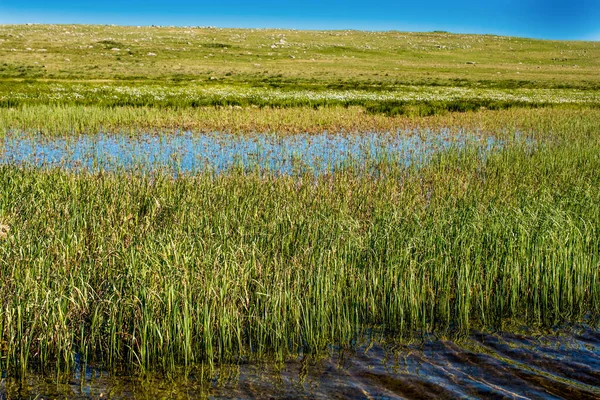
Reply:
x=565, y=364
x=217, y=152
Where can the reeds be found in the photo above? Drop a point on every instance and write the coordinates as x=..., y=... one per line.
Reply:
x=149, y=272
x=57, y=120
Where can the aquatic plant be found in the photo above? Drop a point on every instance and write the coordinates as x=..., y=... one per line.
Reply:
x=135, y=270
x=61, y=120
x=151, y=272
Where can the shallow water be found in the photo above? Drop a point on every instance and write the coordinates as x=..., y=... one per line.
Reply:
x=217, y=152
x=564, y=364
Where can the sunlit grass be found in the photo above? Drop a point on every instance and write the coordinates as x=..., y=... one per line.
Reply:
x=63, y=120
x=279, y=58
x=150, y=272
x=447, y=98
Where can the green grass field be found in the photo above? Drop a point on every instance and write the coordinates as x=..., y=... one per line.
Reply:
x=275, y=58
x=147, y=272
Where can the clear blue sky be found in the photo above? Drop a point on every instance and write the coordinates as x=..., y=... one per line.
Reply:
x=548, y=19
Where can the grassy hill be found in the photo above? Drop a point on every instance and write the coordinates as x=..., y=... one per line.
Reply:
x=283, y=58
x=99, y=72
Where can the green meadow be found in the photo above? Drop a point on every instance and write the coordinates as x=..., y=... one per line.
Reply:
x=149, y=272
x=287, y=58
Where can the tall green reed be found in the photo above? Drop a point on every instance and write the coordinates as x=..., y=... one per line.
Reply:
x=149, y=272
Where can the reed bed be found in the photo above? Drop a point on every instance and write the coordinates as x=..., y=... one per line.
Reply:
x=61, y=120
x=149, y=272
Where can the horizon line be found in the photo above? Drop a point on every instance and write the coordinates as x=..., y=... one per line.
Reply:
x=293, y=29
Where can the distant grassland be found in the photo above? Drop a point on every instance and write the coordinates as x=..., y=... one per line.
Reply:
x=390, y=73
x=280, y=58
x=197, y=95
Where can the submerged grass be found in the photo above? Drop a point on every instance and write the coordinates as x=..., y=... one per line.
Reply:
x=149, y=272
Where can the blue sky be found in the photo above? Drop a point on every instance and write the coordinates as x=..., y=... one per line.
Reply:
x=548, y=19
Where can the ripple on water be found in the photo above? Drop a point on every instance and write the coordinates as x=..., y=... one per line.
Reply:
x=565, y=364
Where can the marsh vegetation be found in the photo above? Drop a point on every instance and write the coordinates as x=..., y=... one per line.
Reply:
x=155, y=268
x=152, y=271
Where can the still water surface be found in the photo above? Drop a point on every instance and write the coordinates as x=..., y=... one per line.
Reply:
x=217, y=152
